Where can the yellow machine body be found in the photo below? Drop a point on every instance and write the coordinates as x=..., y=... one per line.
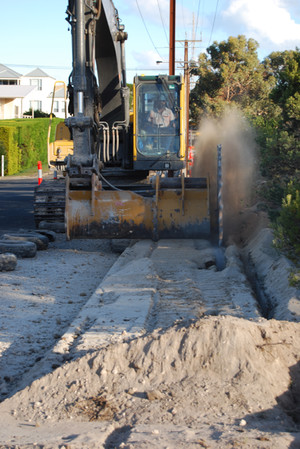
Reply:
x=62, y=145
x=164, y=206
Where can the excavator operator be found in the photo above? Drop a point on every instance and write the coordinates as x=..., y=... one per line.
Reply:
x=161, y=116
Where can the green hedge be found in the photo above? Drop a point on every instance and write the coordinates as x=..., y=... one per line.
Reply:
x=23, y=142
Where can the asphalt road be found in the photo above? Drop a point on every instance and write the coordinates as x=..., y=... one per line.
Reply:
x=16, y=203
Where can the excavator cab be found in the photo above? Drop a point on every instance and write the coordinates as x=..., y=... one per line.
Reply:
x=158, y=126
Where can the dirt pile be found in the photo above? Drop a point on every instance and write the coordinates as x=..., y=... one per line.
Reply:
x=223, y=366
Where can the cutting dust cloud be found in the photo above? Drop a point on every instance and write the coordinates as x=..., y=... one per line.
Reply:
x=235, y=135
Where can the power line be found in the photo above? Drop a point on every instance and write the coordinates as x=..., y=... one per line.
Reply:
x=202, y=16
x=30, y=66
x=162, y=21
x=183, y=16
x=213, y=25
x=196, y=27
x=147, y=29
x=139, y=69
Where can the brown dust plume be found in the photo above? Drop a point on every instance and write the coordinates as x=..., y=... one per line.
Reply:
x=238, y=168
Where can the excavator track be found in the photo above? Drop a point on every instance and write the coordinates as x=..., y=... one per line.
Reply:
x=49, y=202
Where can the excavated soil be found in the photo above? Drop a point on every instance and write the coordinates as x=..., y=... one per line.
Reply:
x=221, y=382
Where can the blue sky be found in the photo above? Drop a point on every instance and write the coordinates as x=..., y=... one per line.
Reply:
x=34, y=33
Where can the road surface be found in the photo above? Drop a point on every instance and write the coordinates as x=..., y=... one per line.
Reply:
x=16, y=203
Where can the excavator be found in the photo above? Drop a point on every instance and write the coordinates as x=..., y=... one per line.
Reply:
x=125, y=176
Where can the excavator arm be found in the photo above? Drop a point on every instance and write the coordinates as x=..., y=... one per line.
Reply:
x=97, y=87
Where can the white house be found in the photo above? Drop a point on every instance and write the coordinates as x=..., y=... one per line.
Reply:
x=19, y=93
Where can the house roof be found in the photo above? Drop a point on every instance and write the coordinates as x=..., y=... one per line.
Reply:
x=59, y=93
x=15, y=91
x=38, y=73
x=7, y=73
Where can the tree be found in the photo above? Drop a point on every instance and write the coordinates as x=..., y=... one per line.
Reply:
x=287, y=228
x=285, y=67
x=281, y=148
x=231, y=73
x=268, y=93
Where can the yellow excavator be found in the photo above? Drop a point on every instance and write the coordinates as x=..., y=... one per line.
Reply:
x=125, y=177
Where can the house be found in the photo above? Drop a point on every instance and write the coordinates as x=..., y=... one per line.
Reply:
x=20, y=93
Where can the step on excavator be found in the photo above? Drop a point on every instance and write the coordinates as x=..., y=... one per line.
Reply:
x=125, y=175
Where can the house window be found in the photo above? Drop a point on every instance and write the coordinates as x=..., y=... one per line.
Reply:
x=56, y=106
x=8, y=82
x=37, y=82
x=36, y=105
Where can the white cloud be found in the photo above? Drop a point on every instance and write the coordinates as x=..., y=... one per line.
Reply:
x=264, y=19
x=146, y=59
x=150, y=9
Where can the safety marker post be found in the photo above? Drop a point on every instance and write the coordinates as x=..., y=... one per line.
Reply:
x=40, y=172
x=220, y=199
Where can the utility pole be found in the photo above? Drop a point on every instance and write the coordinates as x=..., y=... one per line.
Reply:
x=187, y=95
x=187, y=77
x=172, y=37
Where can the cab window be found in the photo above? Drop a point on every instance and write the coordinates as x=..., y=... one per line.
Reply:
x=158, y=119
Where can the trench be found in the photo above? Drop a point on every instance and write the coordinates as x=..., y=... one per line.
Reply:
x=264, y=303
x=198, y=279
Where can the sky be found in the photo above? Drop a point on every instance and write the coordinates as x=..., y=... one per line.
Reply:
x=34, y=33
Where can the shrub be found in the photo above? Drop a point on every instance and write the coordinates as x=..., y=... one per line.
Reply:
x=9, y=149
x=287, y=226
x=24, y=142
x=38, y=114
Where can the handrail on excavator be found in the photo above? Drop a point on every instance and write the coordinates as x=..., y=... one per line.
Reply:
x=55, y=88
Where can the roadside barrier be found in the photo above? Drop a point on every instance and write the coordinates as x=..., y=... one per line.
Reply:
x=40, y=173
x=191, y=159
